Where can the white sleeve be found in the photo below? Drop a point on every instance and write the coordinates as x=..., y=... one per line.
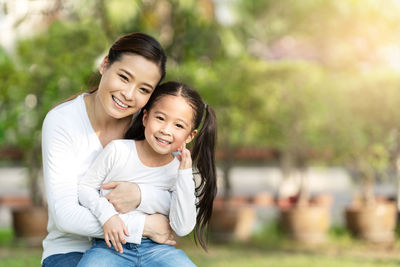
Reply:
x=61, y=182
x=182, y=215
x=89, y=186
x=154, y=200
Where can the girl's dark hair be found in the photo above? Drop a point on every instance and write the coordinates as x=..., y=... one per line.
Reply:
x=203, y=149
x=136, y=43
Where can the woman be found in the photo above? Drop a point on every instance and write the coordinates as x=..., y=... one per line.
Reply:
x=76, y=131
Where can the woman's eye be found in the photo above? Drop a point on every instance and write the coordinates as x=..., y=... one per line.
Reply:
x=145, y=90
x=159, y=118
x=123, y=77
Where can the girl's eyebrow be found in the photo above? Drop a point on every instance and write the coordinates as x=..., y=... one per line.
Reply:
x=160, y=112
x=131, y=76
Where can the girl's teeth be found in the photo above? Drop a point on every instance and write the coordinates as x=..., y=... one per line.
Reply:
x=162, y=141
x=119, y=102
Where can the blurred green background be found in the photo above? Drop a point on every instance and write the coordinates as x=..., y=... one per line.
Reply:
x=310, y=82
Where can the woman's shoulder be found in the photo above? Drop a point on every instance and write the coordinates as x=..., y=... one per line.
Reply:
x=65, y=114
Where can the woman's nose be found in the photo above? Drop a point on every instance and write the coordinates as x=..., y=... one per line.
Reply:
x=128, y=93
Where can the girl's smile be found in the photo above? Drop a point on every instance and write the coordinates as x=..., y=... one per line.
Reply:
x=168, y=124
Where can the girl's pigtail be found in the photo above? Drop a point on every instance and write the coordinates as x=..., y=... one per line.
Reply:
x=203, y=156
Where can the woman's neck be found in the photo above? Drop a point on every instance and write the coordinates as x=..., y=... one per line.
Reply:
x=149, y=157
x=106, y=127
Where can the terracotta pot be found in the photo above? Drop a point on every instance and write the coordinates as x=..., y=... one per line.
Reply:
x=30, y=224
x=374, y=223
x=308, y=224
x=232, y=221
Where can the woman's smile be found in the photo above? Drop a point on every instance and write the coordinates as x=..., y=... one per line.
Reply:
x=119, y=103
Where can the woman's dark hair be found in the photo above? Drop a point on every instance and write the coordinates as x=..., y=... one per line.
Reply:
x=203, y=149
x=140, y=44
x=136, y=43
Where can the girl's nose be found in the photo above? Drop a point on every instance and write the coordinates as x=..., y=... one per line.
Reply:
x=166, y=130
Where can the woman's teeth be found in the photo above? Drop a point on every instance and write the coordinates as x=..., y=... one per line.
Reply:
x=119, y=102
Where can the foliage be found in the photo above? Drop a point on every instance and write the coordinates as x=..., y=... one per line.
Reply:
x=314, y=79
x=46, y=69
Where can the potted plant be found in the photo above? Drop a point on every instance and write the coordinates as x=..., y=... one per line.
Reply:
x=374, y=119
x=300, y=121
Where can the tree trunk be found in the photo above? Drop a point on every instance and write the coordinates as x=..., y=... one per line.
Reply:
x=398, y=181
x=368, y=191
x=33, y=161
x=226, y=168
x=304, y=194
x=287, y=164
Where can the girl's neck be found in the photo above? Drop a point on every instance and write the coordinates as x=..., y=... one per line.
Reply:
x=151, y=158
x=106, y=127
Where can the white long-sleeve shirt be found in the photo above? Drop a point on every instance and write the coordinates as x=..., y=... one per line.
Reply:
x=119, y=161
x=69, y=146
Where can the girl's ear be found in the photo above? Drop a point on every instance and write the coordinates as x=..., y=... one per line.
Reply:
x=103, y=65
x=145, y=117
x=190, y=137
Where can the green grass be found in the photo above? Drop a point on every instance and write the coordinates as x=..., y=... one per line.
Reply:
x=269, y=247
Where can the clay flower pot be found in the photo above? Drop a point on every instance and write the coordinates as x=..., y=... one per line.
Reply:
x=232, y=220
x=374, y=223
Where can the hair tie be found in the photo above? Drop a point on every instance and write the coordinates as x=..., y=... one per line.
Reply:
x=205, y=106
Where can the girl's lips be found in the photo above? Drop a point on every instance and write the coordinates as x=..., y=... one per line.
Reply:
x=162, y=141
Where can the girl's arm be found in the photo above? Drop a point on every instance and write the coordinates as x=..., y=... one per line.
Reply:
x=61, y=181
x=182, y=215
x=183, y=202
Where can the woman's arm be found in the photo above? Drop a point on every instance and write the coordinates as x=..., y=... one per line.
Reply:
x=128, y=196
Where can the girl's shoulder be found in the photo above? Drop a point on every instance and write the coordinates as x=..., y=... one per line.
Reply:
x=122, y=146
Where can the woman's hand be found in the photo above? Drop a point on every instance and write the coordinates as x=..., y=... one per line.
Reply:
x=184, y=157
x=157, y=228
x=115, y=231
x=125, y=196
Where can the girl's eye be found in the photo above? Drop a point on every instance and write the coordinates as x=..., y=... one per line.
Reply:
x=180, y=126
x=123, y=77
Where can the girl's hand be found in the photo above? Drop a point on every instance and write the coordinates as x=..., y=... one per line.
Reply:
x=125, y=196
x=157, y=228
x=115, y=230
x=184, y=157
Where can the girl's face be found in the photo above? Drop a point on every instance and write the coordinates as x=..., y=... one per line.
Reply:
x=126, y=85
x=168, y=124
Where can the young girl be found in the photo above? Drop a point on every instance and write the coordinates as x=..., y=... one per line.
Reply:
x=165, y=125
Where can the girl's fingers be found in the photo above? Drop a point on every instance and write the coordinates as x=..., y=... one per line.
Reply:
x=113, y=242
x=125, y=230
x=122, y=238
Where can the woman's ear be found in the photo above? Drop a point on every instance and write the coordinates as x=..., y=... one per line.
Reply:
x=190, y=137
x=103, y=65
x=145, y=117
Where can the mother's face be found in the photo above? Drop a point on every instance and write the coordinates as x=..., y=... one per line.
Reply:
x=126, y=84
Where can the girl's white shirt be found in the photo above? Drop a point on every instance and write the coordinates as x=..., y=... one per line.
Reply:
x=69, y=147
x=119, y=161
